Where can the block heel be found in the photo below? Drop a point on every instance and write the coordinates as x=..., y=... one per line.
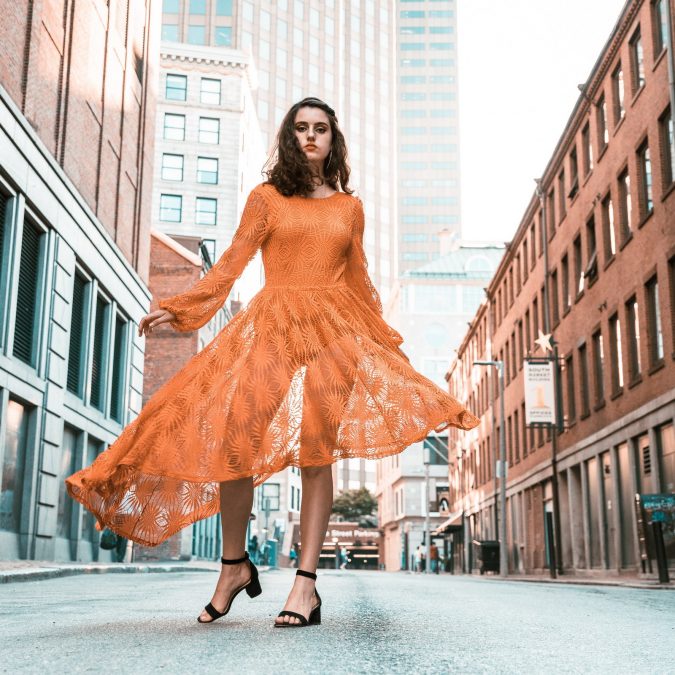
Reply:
x=252, y=588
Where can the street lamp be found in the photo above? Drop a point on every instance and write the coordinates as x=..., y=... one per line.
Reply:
x=503, y=559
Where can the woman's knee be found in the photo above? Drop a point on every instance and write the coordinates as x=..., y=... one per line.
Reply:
x=315, y=472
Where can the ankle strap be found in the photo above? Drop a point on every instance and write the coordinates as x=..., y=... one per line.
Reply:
x=302, y=573
x=233, y=561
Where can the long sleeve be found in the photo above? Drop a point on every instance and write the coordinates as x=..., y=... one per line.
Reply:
x=357, y=277
x=195, y=307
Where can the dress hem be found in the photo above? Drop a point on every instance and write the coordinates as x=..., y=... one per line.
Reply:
x=77, y=491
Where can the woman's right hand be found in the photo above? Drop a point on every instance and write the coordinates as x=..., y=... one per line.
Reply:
x=154, y=319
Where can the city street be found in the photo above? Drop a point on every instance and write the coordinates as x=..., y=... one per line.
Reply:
x=373, y=622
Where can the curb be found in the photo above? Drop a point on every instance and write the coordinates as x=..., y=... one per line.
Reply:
x=40, y=574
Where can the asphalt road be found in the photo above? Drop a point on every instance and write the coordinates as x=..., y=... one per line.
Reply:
x=373, y=622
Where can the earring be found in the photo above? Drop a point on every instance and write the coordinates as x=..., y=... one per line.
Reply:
x=330, y=156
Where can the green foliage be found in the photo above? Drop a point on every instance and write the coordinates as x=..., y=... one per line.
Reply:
x=354, y=504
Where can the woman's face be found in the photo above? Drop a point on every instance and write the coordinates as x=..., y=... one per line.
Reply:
x=312, y=129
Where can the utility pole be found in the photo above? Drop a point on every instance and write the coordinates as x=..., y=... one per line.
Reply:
x=556, y=562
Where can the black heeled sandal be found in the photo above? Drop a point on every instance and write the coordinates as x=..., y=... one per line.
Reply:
x=314, y=616
x=252, y=587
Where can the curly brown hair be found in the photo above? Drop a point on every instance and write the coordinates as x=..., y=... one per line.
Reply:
x=291, y=173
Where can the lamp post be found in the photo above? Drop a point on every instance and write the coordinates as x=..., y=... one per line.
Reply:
x=427, y=523
x=503, y=558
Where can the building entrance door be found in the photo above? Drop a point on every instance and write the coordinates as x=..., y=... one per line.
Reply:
x=609, y=506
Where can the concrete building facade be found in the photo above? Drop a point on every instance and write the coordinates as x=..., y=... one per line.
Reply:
x=77, y=96
x=593, y=264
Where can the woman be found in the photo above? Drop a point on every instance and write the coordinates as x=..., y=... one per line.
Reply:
x=307, y=374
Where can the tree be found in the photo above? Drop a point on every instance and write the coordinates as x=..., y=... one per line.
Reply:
x=355, y=504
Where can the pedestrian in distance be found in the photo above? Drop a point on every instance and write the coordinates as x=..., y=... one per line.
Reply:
x=308, y=373
x=344, y=557
x=433, y=558
x=417, y=559
x=293, y=557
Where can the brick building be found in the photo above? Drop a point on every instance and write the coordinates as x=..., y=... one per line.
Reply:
x=593, y=263
x=77, y=97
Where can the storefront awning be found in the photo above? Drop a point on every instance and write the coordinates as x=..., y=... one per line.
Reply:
x=452, y=524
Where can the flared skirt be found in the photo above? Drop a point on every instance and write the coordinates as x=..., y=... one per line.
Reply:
x=300, y=377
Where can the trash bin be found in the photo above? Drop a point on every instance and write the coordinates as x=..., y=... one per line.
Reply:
x=487, y=555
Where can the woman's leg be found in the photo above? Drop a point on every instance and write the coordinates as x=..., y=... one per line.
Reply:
x=317, y=503
x=236, y=500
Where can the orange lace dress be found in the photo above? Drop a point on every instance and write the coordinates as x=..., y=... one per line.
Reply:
x=307, y=374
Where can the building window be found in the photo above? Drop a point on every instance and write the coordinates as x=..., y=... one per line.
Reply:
x=207, y=170
x=416, y=256
x=171, y=6
x=535, y=317
x=588, y=149
x=176, y=87
x=170, y=208
x=417, y=237
x=555, y=309
x=223, y=37
x=98, y=358
x=550, y=215
x=223, y=7
x=625, y=206
x=26, y=322
x=206, y=211
x=578, y=265
x=615, y=354
x=598, y=369
x=562, y=207
x=565, y=283
x=654, y=330
x=574, y=174
x=645, y=168
x=618, y=94
x=209, y=130
x=210, y=91
x=119, y=369
x=15, y=447
x=174, y=127
x=660, y=26
x=591, y=272
x=170, y=32
x=667, y=148
x=637, y=61
x=601, y=116
x=76, y=350
x=196, y=35
x=583, y=374
x=198, y=7
x=172, y=167
x=571, y=390
x=609, y=234
x=633, y=335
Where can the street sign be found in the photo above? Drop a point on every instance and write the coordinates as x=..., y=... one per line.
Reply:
x=539, y=392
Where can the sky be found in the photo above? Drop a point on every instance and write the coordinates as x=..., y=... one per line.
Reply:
x=519, y=64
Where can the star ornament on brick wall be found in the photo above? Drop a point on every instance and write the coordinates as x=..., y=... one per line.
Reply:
x=544, y=341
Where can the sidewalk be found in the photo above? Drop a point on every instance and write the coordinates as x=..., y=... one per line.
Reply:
x=623, y=582
x=13, y=571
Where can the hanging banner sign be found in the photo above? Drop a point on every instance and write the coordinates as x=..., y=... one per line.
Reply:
x=539, y=392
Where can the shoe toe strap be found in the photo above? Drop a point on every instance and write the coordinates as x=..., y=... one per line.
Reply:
x=212, y=611
x=287, y=612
